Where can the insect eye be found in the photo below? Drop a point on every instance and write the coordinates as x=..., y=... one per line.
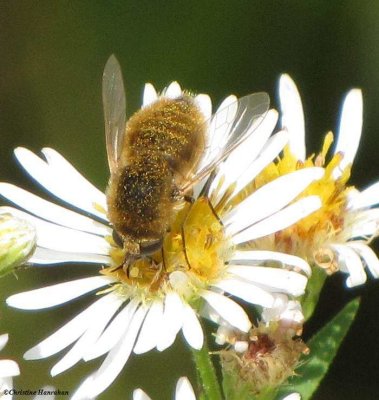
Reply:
x=147, y=248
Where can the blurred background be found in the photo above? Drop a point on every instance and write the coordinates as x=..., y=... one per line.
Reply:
x=52, y=58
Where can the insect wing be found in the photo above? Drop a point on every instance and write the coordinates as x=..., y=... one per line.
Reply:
x=114, y=104
x=234, y=121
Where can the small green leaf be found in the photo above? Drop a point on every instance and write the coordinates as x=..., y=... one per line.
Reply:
x=323, y=348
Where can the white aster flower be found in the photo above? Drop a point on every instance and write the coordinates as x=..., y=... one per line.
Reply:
x=183, y=391
x=8, y=369
x=203, y=254
x=336, y=237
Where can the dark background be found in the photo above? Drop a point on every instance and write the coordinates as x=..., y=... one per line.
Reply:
x=52, y=54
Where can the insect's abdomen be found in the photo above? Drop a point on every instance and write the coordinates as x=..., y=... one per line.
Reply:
x=139, y=198
x=163, y=143
x=170, y=129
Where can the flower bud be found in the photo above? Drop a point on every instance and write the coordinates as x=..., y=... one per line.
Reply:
x=17, y=241
x=268, y=358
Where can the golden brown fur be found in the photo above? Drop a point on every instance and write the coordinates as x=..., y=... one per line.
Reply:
x=162, y=145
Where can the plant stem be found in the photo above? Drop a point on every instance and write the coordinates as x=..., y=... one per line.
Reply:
x=312, y=292
x=206, y=374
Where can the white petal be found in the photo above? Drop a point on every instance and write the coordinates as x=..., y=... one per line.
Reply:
x=274, y=278
x=59, y=164
x=227, y=309
x=115, y=360
x=149, y=95
x=6, y=383
x=252, y=146
x=270, y=198
x=292, y=396
x=293, y=312
x=204, y=102
x=219, y=128
x=172, y=320
x=246, y=291
x=363, y=224
x=3, y=340
x=263, y=255
x=8, y=368
x=281, y=220
x=240, y=346
x=66, y=335
x=114, y=331
x=274, y=313
x=62, y=180
x=50, y=211
x=83, y=392
x=350, y=262
x=184, y=390
x=64, y=239
x=283, y=310
x=292, y=115
x=46, y=396
x=48, y=256
x=243, y=156
x=173, y=91
x=192, y=330
x=56, y=294
x=368, y=256
x=147, y=338
x=271, y=150
x=208, y=312
x=350, y=129
x=139, y=394
x=366, y=198
x=107, y=307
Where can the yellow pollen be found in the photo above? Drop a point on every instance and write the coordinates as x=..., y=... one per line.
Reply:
x=195, y=244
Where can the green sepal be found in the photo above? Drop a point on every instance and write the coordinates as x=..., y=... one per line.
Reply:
x=233, y=388
x=236, y=389
x=323, y=348
x=11, y=259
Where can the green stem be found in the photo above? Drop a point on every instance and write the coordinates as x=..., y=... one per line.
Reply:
x=312, y=292
x=207, y=374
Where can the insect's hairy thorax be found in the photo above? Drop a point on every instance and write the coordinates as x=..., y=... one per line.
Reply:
x=168, y=129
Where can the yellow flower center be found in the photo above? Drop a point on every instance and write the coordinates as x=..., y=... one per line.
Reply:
x=195, y=245
x=309, y=237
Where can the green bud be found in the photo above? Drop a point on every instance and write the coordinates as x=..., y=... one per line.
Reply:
x=17, y=242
